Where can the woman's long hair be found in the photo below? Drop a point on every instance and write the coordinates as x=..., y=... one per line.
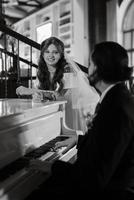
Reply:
x=43, y=74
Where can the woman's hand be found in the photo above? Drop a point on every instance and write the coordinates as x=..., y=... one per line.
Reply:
x=49, y=95
x=68, y=143
x=37, y=97
x=24, y=91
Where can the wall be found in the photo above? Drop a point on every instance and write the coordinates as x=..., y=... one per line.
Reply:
x=112, y=7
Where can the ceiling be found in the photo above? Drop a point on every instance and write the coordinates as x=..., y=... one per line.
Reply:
x=15, y=10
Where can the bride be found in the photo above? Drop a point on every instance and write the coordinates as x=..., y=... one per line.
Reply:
x=59, y=78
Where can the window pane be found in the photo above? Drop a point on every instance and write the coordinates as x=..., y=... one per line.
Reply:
x=133, y=40
x=133, y=59
x=127, y=40
x=129, y=57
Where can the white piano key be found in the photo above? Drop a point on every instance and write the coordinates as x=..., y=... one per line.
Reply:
x=46, y=156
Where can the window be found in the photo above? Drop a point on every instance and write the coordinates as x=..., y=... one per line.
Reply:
x=128, y=38
x=128, y=33
x=44, y=31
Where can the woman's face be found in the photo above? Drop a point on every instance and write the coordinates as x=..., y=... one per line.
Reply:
x=51, y=55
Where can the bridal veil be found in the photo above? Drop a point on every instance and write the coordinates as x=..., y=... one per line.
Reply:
x=81, y=97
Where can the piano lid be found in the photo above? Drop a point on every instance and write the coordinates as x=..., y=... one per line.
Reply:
x=14, y=111
x=14, y=106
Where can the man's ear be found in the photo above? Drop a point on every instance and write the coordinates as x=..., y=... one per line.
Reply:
x=95, y=73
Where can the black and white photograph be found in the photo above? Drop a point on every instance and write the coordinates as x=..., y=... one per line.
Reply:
x=66, y=99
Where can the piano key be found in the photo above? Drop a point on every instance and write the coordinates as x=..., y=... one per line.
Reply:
x=46, y=156
x=52, y=155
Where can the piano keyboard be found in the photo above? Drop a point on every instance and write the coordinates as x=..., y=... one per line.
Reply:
x=13, y=172
x=47, y=147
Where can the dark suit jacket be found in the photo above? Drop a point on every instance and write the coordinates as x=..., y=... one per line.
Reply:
x=106, y=153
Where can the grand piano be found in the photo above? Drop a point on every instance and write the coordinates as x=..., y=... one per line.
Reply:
x=29, y=130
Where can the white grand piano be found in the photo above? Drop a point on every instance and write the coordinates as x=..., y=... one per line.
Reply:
x=28, y=131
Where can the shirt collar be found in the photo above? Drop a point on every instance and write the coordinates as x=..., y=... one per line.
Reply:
x=105, y=92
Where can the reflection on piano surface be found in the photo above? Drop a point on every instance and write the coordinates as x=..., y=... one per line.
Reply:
x=29, y=131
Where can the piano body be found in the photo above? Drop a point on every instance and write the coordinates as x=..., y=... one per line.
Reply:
x=28, y=131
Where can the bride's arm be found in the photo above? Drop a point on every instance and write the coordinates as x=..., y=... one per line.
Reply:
x=21, y=90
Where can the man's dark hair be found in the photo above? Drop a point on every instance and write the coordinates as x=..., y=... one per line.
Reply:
x=111, y=60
